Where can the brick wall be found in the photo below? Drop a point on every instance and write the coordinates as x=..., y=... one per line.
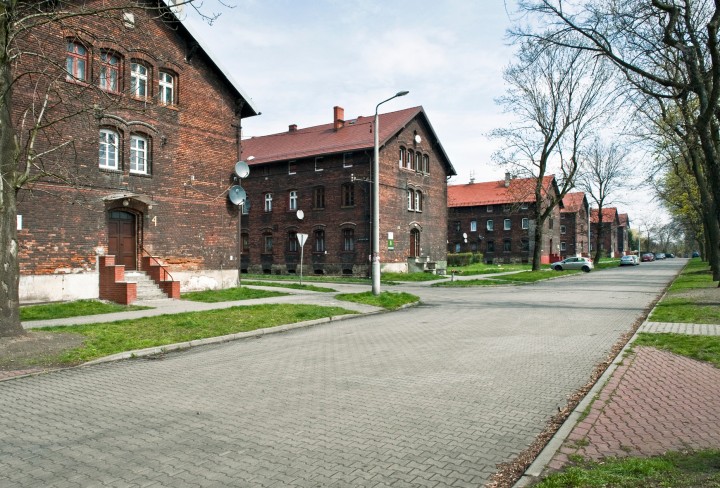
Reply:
x=180, y=207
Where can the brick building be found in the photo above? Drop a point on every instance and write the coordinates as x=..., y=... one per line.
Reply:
x=609, y=236
x=145, y=170
x=325, y=171
x=623, y=236
x=574, y=225
x=496, y=218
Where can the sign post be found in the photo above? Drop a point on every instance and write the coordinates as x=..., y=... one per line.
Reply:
x=301, y=240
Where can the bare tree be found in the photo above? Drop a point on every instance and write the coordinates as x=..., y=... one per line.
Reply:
x=668, y=51
x=604, y=175
x=557, y=96
x=36, y=99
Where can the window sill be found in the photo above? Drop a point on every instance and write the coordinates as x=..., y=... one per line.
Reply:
x=110, y=170
x=141, y=175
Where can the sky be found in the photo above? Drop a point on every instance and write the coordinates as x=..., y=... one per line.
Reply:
x=297, y=59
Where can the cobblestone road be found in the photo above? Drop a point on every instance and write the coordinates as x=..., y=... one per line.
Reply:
x=434, y=395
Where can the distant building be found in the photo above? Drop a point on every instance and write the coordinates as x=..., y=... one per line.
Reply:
x=574, y=225
x=609, y=235
x=623, y=237
x=325, y=172
x=496, y=218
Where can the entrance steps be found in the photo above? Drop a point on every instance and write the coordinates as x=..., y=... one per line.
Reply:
x=147, y=289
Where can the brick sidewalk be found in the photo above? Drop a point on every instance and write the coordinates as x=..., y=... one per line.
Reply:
x=654, y=402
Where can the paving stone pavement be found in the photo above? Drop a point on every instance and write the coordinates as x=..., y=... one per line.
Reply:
x=434, y=395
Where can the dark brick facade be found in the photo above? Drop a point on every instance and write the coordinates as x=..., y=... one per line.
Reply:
x=179, y=208
x=344, y=218
x=574, y=223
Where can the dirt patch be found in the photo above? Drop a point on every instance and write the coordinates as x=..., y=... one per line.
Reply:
x=36, y=350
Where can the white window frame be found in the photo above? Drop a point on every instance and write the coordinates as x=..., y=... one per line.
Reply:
x=507, y=224
x=525, y=223
x=418, y=201
x=268, y=202
x=166, y=84
x=488, y=208
x=347, y=160
x=109, y=159
x=563, y=246
x=489, y=225
x=473, y=226
x=292, y=167
x=524, y=206
x=563, y=229
x=139, y=150
x=139, y=80
x=410, y=199
x=293, y=200
x=318, y=162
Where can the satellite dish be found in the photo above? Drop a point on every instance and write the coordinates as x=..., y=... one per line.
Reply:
x=242, y=169
x=300, y=214
x=464, y=235
x=418, y=139
x=237, y=195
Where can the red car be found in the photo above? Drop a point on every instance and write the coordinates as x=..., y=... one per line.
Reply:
x=648, y=256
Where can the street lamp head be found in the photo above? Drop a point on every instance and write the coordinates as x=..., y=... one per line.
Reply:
x=402, y=93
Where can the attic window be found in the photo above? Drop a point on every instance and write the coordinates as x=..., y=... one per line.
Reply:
x=352, y=122
x=129, y=20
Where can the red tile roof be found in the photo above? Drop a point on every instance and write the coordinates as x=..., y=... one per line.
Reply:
x=495, y=192
x=609, y=215
x=573, y=202
x=355, y=134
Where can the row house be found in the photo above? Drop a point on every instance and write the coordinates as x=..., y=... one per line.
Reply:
x=317, y=182
x=623, y=234
x=145, y=137
x=609, y=235
x=496, y=218
x=574, y=225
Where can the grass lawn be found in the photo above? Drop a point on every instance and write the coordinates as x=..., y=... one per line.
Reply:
x=229, y=295
x=395, y=277
x=293, y=286
x=510, y=279
x=678, y=470
x=387, y=299
x=482, y=268
x=73, y=309
x=692, y=298
x=308, y=278
x=126, y=335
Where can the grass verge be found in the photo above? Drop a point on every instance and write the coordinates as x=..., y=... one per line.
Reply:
x=76, y=308
x=292, y=286
x=702, y=348
x=126, y=335
x=386, y=299
x=673, y=469
x=229, y=295
x=692, y=298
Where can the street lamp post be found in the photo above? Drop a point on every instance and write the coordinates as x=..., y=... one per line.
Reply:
x=376, y=199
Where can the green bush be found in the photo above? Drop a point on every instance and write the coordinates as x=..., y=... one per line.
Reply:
x=464, y=258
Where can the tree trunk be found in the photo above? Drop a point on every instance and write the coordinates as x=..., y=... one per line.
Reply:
x=9, y=266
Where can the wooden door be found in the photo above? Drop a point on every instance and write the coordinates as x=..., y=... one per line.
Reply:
x=122, y=239
x=414, y=243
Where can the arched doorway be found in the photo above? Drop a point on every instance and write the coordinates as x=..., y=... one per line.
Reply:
x=122, y=238
x=414, y=243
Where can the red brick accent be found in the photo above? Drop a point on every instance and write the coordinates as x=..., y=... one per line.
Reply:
x=160, y=275
x=112, y=284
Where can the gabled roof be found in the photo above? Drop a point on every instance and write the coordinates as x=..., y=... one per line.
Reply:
x=624, y=220
x=519, y=190
x=609, y=215
x=248, y=109
x=574, y=202
x=355, y=134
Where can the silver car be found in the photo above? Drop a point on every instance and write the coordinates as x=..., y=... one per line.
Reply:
x=584, y=264
x=629, y=260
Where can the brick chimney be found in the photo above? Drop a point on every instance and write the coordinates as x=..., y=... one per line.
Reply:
x=292, y=128
x=338, y=117
x=507, y=179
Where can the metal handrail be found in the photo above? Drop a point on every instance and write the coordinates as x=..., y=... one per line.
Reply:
x=165, y=268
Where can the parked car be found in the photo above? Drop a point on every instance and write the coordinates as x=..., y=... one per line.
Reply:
x=647, y=257
x=659, y=255
x=629, y=260
x=584, y=264
x=669, y=255
x=695, y=254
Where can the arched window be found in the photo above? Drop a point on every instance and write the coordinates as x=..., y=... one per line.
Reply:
x=410, y=199
x=418, y=201
x=409, y=160
x=319, y=240
x=166, y=88
x=426, y=164
x=418, y=162
x=138, y=80
x=402, y=156
x=293, y=243
x=139, y=152
x=109, y=72
x=348, y=240
x=76, y=61
x=108, y=149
